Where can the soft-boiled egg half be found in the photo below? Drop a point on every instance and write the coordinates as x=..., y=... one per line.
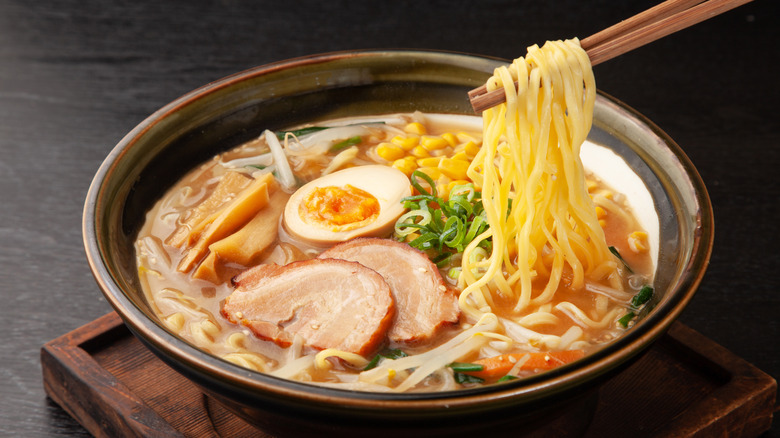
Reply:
x=354, y=202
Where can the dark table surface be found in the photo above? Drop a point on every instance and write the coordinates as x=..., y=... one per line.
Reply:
x=75, y=76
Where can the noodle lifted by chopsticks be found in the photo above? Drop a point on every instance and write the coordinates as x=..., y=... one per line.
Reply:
x=543, y=224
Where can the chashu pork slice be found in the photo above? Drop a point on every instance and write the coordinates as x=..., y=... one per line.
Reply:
x=424, y=303
x=329, y=303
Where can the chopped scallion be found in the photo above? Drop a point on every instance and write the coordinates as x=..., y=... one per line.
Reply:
x=626, y=319
x=300, y=132
x=642, y=296
x=312, y=129
x=343, y=144
x=385, y=354
x=467, y=378
x=443, y=228
x=614, y=251
x=395, y=353
x=462, y=367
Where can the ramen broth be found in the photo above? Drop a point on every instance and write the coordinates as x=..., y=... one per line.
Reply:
x=191, y=307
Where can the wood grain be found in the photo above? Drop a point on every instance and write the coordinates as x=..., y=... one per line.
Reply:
x=686, y=385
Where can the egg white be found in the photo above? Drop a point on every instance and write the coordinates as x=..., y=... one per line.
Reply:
x=388, y=185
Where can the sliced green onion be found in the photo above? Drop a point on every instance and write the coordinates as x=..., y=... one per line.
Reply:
x=458, y=231
x=467, y=378
x=346, y=143
x=614, y=251
x=425, y=241
x=444, y=227
x=300, y=132
x=385, y=354
x=449, y=228
x=478, y=226
x=403, y=227
x=312, y=129
x=626, y=319
x=642, y=296
x=374, y=362
x=462, y=367
x=477, y=255
x=507, y=378
x=466, y=190
x=394, y=353
x=460, y=205
x=442, y=259
x=416, y=184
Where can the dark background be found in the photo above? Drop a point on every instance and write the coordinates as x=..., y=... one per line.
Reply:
x=75, y=76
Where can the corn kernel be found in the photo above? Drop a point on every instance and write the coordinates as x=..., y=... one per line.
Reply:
x=406, y=143
x=415, y=128
x=450, y=138
x=405, y=166
x=433, y=143
x=639, y=235
x=428, y=162
x=433, y=172
x=420, y=152
x=461, y=156
x=389, y=151
x=441, y=189
x=602, y=223
x=591, y=185
x=637, y=241
x=600, y=212
x=455, y=169
x=472, y=149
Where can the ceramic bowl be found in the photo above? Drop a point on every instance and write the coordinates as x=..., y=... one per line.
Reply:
x=237, y=108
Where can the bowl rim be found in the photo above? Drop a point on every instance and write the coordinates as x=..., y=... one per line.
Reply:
x=242, y=380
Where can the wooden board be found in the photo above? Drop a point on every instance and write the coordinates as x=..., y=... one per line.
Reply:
x=686, y=385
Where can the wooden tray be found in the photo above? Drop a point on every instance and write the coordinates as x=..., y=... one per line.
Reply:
x=686, y=385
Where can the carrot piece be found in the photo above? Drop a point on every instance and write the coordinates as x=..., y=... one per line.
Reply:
x=497, y=366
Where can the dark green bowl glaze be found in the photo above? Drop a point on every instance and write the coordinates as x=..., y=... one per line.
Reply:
x=237, y=108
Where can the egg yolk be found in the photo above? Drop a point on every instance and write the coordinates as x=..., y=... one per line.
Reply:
x=339, y=208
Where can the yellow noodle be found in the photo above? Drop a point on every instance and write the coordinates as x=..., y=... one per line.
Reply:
x=204, y=332
x=538, y=318
x=579, y=317
x=321, y=359
x=247, y=360
x=533, y=183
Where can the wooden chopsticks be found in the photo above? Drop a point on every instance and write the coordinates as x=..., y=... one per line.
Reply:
x=643, y=28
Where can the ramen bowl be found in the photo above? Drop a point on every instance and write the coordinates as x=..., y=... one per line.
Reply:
x=233, y=110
